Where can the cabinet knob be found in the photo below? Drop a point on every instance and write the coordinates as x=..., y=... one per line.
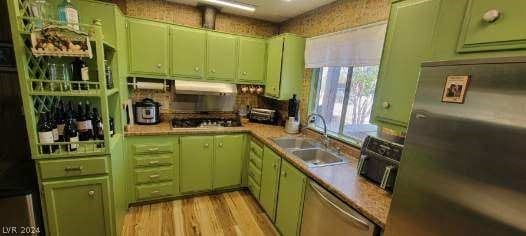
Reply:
x=274, y=165
x=159, y=65
x=73, y=168
x=156, y=192
x=206, y=145
x=153, y=149
x=154, y=176
x=213, y=71
x=245, y=73
x=220, y=144
x=154, y=162
x=284, y=174
x=196, y=68
x=91, y=193
x=386, y=105
x=491, y=16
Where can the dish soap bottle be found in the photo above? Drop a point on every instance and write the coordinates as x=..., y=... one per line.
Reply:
x=68, y=14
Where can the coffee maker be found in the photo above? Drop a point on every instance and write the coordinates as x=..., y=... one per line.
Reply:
x=292, y=126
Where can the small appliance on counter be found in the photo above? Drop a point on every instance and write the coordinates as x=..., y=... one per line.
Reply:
x=265, y=116
x=147, y=112
x=379, y=161
x=292, y=126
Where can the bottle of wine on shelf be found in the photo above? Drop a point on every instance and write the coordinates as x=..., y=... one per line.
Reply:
x=89, y=118
x=73, y=113
x=60, y=120
x=80, y=74
x=71, y=133
x=45, y=133
x=112, y=126
x=51, y=120
x=98, y=127
x=84, y=125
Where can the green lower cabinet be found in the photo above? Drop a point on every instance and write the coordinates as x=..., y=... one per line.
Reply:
x=290, y=200
x=269, y=182
x=78, y=207
x=196, y=163
x=228, y=160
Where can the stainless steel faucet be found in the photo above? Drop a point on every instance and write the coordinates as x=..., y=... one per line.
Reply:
x=312, y=119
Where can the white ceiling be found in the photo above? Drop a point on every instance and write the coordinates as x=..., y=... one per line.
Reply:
x=270, y=10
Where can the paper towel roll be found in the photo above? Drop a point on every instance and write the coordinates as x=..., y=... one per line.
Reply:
x=150, y=85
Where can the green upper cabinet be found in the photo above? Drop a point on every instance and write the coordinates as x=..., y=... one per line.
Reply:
x=285, y=66
x=196, y=163
x=462, y=33
x=148, y=47
x=269, y=182
x=402, y=55
x=290, y=200
x=95, y=10
x=188, y=51
x=221, y=56
x=493, y=25
x=78, y=207
x=228, y=160
x=252, y=60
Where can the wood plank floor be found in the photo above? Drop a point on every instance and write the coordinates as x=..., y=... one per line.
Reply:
x=232, y=213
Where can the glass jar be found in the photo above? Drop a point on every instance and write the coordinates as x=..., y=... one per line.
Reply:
x=40, y=10
x=58, y=72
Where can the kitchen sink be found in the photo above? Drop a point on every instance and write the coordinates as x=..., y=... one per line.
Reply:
x=296, y=143
x=316, y=157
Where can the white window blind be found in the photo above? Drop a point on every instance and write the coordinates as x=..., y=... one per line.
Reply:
x=360, y=46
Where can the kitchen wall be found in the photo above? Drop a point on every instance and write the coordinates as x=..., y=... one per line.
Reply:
x=191, y=16
x=337, y=16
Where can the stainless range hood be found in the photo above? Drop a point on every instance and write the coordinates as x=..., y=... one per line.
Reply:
x=204, y=88
x=191, y=96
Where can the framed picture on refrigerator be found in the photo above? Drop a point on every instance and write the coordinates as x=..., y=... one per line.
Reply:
x=455, y=88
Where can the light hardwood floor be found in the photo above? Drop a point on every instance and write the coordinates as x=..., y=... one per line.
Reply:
x=232, y=213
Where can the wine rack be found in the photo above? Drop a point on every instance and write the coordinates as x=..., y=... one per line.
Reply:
x=40, y=93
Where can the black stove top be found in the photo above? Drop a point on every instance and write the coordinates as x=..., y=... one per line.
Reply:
x=205, y=123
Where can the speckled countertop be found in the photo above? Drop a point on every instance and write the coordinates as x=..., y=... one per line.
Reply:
x=342, y=180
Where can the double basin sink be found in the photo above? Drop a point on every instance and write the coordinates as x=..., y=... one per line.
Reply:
x=311, y=152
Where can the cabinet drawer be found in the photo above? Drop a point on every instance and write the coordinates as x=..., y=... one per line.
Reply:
x=154, y=160
x=73, y=167
x=255, y=173
x=253, y=187
x=153, y=175
x=256, y=148
x=154, y=190
x=256, y=160
x=493, y=25
x=153, y=148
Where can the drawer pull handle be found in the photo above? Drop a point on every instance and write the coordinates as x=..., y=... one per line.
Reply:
x=73, y=168
x=156, y=192
x=91, y=193
x=154, y=176
x=153, y=149
x=491, y=16
x=154, y=162
x=196, y=68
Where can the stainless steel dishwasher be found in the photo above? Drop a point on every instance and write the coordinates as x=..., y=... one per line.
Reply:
x=325, y=214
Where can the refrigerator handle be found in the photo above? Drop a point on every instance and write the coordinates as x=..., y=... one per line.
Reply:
x=361, y=163
x=387, y=175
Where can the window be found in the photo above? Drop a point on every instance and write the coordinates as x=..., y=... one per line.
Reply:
x=344, y=97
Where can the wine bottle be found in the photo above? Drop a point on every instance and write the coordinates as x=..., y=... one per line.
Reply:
x=60, y=120
x=80, y=74
x=68, y=14
x=73, y=113
x=98, y=127
x=89, y=118
x=71, y=133
x=53, y=124
x=45, y=133
x=112, y=126
x=84, y=126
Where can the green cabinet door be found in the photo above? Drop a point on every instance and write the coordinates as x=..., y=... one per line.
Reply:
x=269, y=182
x=196, y=163
x=78, y=207
x=91, y=10
x=274, y=57
x=147, y=47
x=188, y=52
x=221, y=56
x=290, y=200
x=252, y=60
x=228, y=160
x=402, y=55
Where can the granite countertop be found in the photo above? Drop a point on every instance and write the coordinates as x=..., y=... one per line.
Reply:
x=342, y=180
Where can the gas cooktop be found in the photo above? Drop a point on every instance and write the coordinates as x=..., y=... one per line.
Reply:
x=205, y=123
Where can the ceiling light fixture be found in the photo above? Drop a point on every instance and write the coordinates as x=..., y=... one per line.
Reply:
x=241, y=6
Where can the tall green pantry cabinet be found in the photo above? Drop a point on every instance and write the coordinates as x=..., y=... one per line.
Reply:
x=81, y=190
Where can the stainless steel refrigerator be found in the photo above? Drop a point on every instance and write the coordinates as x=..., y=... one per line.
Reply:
x=463, y=169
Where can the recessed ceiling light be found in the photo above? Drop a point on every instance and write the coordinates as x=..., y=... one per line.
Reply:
x=237, y=5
